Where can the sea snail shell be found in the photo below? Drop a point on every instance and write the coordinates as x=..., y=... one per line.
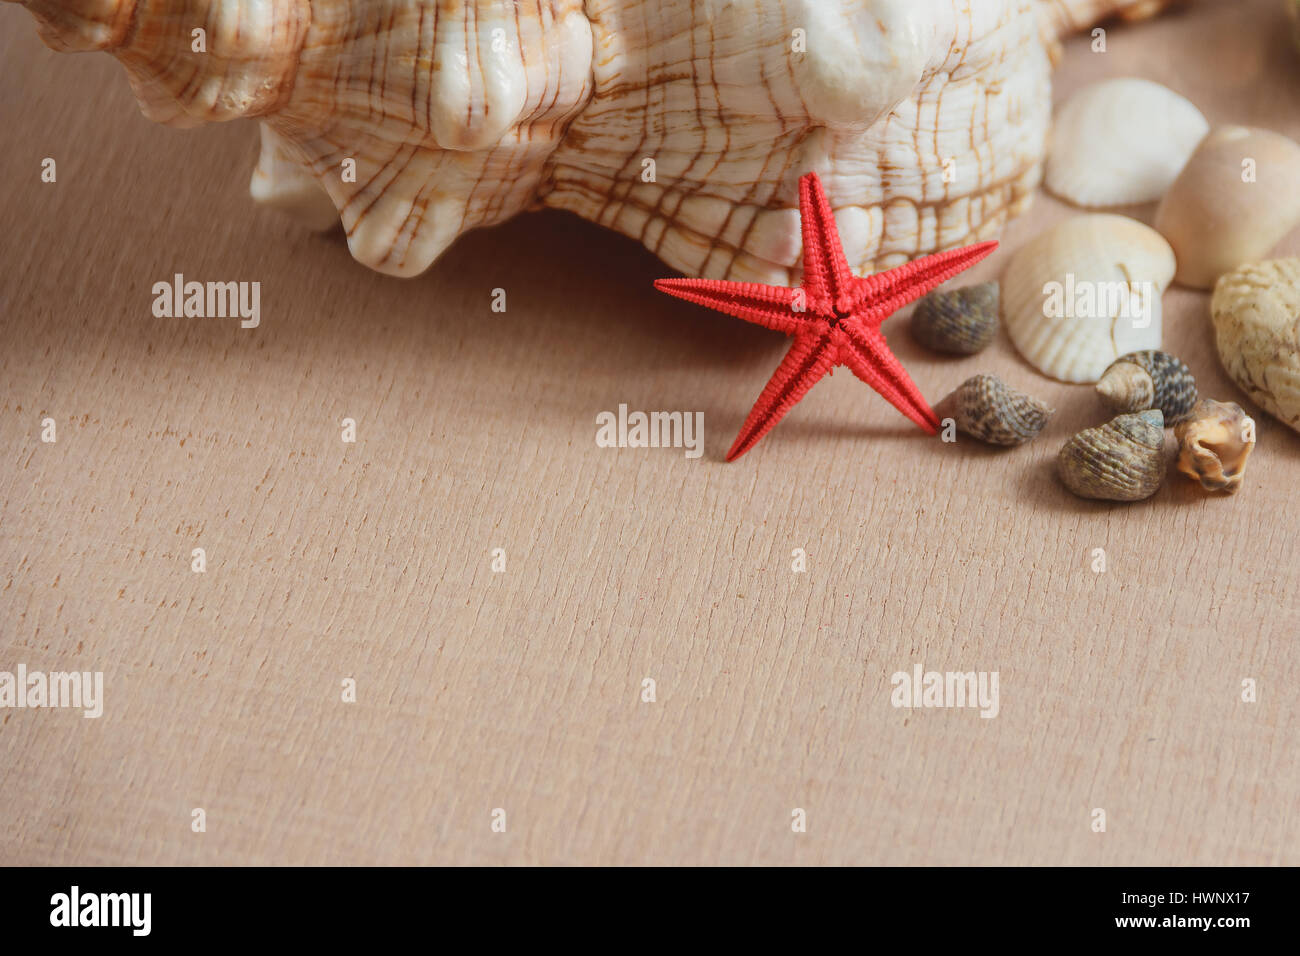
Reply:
x=1149, y=379
x=1214, y=444
x=1122, y=460
x=959, y=321
x=986, y=408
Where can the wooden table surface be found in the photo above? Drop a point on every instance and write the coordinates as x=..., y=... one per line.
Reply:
x=522, y=690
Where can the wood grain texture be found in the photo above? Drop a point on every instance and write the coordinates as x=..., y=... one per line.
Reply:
x=521, y=690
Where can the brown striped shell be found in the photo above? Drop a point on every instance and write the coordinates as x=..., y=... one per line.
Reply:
x=986, y=408
x=1122, y=460
x=1149, y=379
x=682, y=123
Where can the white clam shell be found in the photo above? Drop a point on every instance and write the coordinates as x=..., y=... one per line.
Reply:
x=1085, y=292
x=1121, y=141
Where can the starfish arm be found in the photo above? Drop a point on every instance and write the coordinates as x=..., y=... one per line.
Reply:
x=867, y=355
x=877, y=297
x=826, y=274
x=810, y=357
x=771, y=306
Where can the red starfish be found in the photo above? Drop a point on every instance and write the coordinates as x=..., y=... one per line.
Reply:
x=834, y=316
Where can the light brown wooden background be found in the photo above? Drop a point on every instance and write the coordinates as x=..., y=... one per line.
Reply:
x=521, y=690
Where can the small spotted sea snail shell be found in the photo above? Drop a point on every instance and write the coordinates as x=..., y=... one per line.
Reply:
x=1149, y=379
x=960, y=322
x=1214, y=444
x=1122, y=460
x=986, y=408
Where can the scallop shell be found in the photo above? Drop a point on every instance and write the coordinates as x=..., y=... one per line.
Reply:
x=1150, y=379
x=986, y=408
x=681, y=123
x=1256, y=315
x=1122, y=460
x=960, y=322
x=1214, y=444
x=1085, y=292
x=1235, y=200
x=1121, y=141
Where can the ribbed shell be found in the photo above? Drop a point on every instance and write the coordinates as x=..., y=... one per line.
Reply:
x=1122, y=460
x=1121, y=141
x=986, y=408
x=1067, y=294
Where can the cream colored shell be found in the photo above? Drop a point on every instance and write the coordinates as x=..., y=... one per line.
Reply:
x=682, y=123
x=1238, y=196
x=1256, y=314
x=1121, y=141
x=1085, y=292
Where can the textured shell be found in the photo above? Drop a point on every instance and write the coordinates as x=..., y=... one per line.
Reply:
x=1256, y=314
x=960, y=322
x=1221, y=213
x=986, y=408
x=1121, y=141
x=1149, y=379
x=1214, y=444
x=1123, y=460
x=682, y=123
x=1085, y=292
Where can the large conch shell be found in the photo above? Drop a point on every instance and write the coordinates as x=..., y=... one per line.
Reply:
x=685, y=124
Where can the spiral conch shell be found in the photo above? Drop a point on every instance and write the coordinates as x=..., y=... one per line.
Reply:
x=685, y=124
x=1149, y=379
x=1214, y=444
x=1122, y=460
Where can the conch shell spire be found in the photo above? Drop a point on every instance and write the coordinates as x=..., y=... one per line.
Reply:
x=189, y=61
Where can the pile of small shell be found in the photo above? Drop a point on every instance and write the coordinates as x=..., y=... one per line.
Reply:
x=1081, y=302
